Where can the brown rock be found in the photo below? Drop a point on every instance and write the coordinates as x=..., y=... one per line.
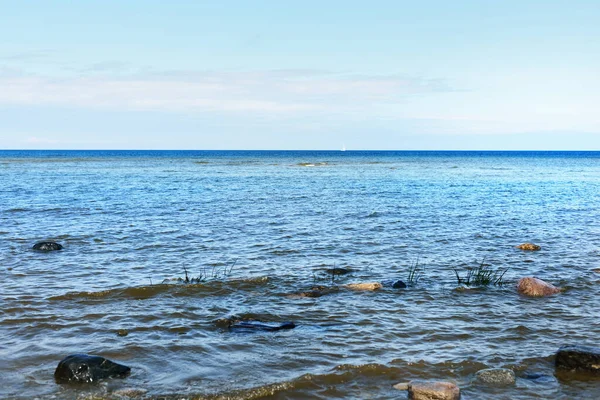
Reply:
x=531, y=286
x=364, y=286
x=426, y=390
x=529, y=247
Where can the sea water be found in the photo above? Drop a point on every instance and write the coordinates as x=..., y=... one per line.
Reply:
x=257, y=229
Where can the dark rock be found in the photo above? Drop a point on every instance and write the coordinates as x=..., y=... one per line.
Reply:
x=398, y=285
x=574, y=358
x=47, y=246
x=83, y=368
x=254, y=326
x=339, y=271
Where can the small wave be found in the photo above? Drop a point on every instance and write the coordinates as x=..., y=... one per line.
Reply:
x=284, y=252
x=312, y=164
x=18, y=209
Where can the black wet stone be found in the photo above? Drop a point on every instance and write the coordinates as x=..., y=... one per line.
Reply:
x=398, y=285
x=83, y=368
x=574, y=358
x=47, y=246
x=254, y=326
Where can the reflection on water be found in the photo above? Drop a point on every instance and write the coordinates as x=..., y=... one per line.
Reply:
x=131, y=220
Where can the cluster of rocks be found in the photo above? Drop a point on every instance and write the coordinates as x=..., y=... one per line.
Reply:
x=573, y=360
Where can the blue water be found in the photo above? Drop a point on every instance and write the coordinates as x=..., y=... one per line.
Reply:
x=130, y=220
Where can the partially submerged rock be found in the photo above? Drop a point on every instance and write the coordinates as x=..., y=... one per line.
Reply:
x=83, y=368
x=430, y=390
x=364, y=286
x=529, y=247
x=247, y=324
x=396, y=284
x=339, y=271
x=254, y=326
x=574, y=359
x=535, y=287
x=496, y=377
x=47, y=246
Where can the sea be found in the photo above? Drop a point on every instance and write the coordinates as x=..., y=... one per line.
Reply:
x=277, y=236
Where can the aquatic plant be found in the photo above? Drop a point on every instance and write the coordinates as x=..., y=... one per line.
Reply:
x=414, y=273
x=215, y=274
x=482, y=275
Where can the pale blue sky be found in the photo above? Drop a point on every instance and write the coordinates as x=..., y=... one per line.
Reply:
x=300, y=75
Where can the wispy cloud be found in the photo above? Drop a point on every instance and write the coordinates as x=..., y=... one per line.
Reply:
x=273, y=92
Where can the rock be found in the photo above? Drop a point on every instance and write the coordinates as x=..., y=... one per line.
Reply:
x=338, y=271
x=496, y=377
x=398, y=284
x=122, y=332
x=254, y=326
x=47, y=246
x=596, y=270
x=426, y=390
x=529, y=247
x=83, y=368
x=364, y=286
x=574, y=358
x=531, y=286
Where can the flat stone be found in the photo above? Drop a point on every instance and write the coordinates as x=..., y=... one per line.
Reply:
x=496, y=377
x=364, y=286
x=430, y=390
x=535, y=287
x=574, y=358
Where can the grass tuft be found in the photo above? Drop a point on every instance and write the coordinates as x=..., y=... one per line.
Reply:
x=205, y=276
x=414, y=273
x=482, y=275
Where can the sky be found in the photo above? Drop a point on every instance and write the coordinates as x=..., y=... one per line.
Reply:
x=388, y=75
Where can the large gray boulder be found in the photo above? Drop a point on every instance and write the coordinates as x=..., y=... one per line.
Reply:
x=575, y=358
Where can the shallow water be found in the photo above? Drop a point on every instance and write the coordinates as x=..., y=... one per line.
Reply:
x=279, y=220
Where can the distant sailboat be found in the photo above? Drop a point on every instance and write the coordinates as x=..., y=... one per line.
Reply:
x=343, y=147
